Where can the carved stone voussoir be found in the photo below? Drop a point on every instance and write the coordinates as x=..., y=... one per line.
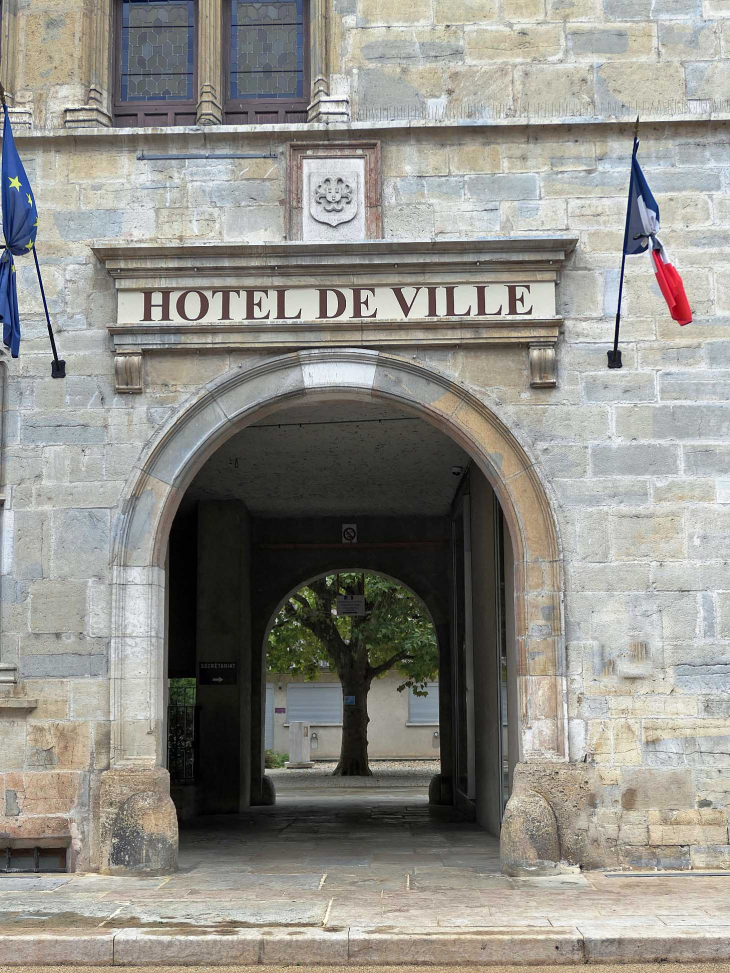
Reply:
x=128, y=373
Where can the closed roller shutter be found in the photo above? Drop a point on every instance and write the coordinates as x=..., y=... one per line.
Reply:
x=319, y=704
x=424, y=709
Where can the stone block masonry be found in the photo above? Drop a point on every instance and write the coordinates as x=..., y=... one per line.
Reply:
x=636, y=463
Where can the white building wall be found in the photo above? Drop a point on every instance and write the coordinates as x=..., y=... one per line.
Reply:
x=389, y=735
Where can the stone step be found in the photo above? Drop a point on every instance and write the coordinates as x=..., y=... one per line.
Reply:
x=593, y=942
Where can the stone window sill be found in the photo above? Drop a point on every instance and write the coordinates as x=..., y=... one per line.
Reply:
x=17, y=704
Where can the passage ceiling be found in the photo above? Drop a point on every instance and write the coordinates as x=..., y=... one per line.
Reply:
x=335, y=459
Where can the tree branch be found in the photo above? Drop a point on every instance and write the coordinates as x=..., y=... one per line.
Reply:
x=319, y=619
x=374, y=671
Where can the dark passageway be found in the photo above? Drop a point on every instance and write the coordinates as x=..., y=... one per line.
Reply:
x=266, y=515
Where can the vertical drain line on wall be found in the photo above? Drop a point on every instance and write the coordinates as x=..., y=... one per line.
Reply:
x=8, y=670
x=471, y=756
x=499, y=610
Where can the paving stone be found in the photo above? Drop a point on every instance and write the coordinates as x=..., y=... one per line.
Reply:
x=32, y=883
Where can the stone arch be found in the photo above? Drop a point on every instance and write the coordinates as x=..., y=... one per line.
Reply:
x=338, y=568
x=244, y=395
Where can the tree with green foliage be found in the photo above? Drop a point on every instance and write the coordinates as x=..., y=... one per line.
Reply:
x=396, y=632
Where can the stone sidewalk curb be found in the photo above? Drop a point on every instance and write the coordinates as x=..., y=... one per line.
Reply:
x=592, y=942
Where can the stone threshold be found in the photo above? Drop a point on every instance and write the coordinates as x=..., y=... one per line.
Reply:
x=591, y=942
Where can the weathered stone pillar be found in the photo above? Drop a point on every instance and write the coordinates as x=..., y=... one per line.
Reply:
x=210, y=68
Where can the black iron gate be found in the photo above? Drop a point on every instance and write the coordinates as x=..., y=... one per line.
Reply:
x=183, y=721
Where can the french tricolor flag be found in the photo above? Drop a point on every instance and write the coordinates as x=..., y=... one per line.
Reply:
x=641, y=235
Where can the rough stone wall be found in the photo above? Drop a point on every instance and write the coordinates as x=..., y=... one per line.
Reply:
x=637, y=461
x=413, y=58
x=493, y=57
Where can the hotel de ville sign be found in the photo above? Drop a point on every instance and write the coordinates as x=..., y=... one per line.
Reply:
x=287, y=296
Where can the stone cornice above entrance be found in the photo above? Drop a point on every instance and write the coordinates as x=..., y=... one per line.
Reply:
x=380, y=294
x=143, y=263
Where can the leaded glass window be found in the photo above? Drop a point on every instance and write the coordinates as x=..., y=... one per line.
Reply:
x=267, y=49
x=157, y=50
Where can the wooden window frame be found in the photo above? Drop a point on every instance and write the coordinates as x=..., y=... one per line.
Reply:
x=266, y=111
x=146, y=114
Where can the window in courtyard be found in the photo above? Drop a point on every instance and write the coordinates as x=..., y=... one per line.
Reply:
x=319, y=704
x=424, y=710
x=155, y=78
x=267, y=68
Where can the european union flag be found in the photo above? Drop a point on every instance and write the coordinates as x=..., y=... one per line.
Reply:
x=20, y=226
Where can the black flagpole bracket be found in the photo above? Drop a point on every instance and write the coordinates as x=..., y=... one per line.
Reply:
x=614, y=355
x=58, y=365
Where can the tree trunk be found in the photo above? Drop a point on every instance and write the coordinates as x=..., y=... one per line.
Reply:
x=354, y=751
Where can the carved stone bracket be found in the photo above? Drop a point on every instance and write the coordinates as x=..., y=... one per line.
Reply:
x=543, y=365
x=128, y=377
x=328, y=109
x=8, y=673
x=21, y=119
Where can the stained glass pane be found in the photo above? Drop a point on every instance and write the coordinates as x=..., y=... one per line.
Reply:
x=157, y=50
x=267, y=41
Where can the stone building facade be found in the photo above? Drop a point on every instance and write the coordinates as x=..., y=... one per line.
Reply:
x=479, y=142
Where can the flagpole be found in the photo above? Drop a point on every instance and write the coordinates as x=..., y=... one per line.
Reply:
x=58, y=366
x=614, y=356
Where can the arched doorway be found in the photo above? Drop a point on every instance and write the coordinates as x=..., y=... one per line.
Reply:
x=354, y=656
x=248, y=395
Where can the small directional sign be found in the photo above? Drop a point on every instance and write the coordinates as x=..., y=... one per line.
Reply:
x=218, y=673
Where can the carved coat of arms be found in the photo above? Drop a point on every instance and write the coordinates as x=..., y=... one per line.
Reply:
x=333, y=197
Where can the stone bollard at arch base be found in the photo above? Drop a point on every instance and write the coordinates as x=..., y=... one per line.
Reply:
x=138, y=823
x=547, y=822
x=529, y=843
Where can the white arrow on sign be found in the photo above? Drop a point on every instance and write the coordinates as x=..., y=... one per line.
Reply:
x=217, y=679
